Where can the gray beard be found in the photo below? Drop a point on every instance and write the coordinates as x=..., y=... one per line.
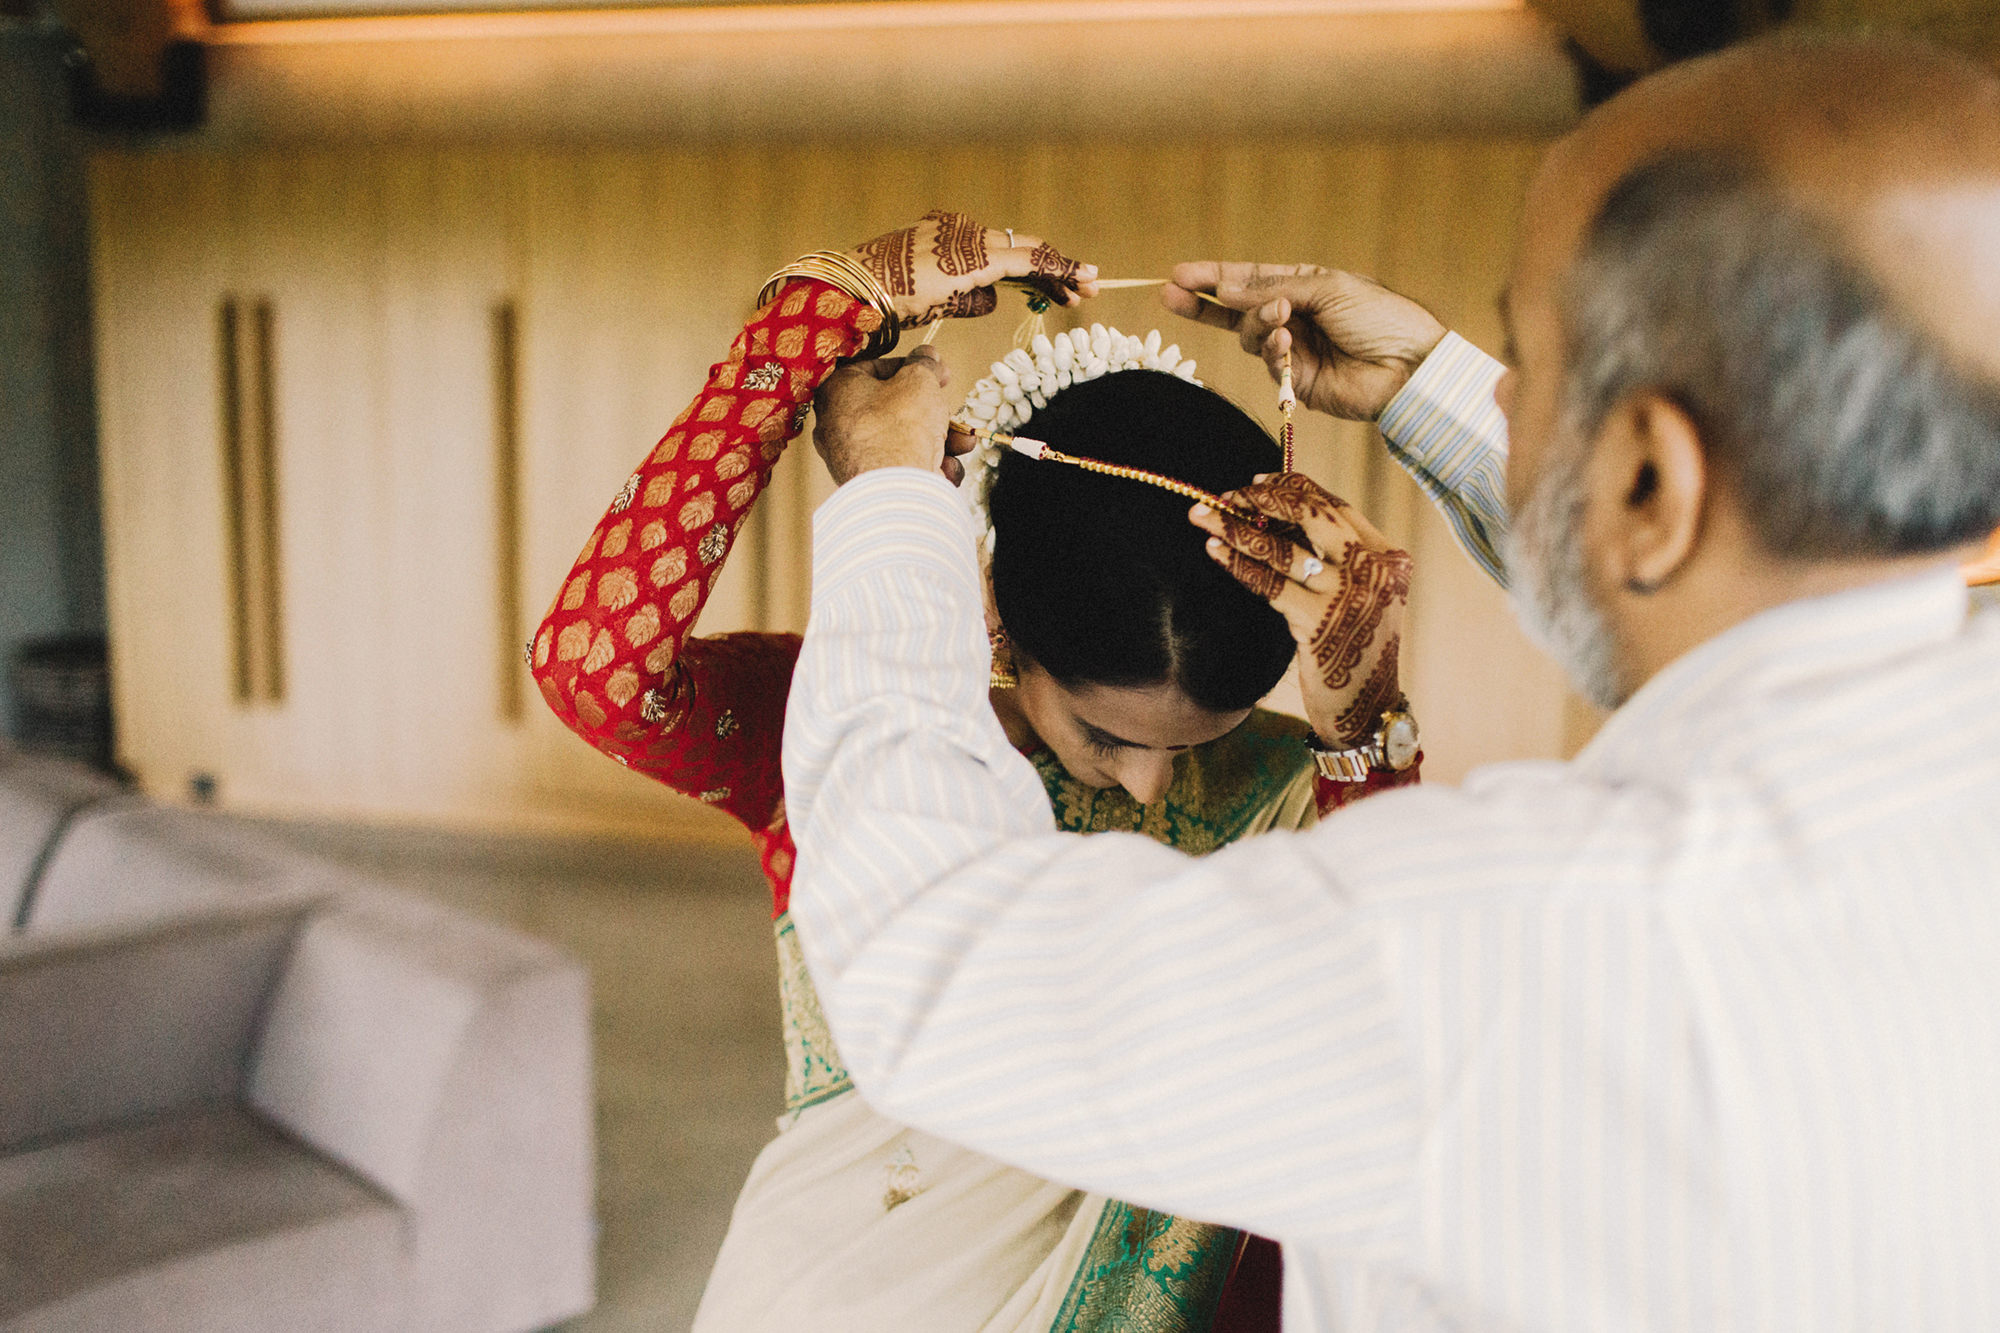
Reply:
x=1548, y=588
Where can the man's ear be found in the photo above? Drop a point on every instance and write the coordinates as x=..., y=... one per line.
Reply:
x=1650, y=490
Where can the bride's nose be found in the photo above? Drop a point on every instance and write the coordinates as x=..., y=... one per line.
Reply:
x=1146, y=774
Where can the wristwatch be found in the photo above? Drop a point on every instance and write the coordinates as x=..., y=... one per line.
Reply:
x=1393, y=748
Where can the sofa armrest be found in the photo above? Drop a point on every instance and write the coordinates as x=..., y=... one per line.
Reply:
x=39, y=797
x=125, y=860
x=118, y=1024
x=447, y=1060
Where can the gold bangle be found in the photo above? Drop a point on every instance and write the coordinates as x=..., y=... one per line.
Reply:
x=850, y=277
x=847, y=274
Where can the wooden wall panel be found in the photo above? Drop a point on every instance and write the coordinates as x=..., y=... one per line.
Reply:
x=629, y=270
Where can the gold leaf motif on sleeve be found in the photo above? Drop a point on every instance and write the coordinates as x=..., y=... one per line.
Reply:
x=684, y=601
x=697, y=512
x=602, y=652
x=553, y=695
x=643, y=627
x=617, y=590
x=669, y=568
x=622, y=685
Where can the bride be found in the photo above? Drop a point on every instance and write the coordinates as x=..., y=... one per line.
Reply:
x=1127, y=667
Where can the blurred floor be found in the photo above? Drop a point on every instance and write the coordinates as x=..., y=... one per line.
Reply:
x=690, y=1073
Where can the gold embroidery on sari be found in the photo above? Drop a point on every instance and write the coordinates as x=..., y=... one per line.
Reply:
x=1150, y=1272
x=1143, y=1270
x=814, y=1070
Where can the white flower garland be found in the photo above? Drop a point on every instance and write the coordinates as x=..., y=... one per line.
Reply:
x=1027, y=377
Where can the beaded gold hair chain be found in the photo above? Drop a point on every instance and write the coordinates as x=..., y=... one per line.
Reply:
x=1040, y=366
x=1038, y=450
x=1044, y=452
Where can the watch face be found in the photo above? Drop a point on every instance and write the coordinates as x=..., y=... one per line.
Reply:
x=1399, y=741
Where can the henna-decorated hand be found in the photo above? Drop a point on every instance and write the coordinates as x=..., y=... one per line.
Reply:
x=1343, y=592
x=1354, y=343
x=945, y=265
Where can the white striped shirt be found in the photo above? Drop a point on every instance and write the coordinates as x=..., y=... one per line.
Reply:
x=1448, y=433
x=1700, y=1031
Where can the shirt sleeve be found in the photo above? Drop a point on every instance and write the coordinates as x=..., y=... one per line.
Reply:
x=615, y=657
x=996, y=982
x=1449, y=435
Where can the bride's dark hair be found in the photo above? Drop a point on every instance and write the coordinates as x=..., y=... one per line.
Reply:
x=1101, y=580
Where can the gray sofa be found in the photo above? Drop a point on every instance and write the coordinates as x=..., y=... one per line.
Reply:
x=240, y=1089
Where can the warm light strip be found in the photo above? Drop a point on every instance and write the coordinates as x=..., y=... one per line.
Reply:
x=797, y=18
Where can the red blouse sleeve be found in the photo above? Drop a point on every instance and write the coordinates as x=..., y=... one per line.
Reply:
x=1333, y=795
x=614, y=657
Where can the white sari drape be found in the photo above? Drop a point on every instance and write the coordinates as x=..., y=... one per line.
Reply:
x=850, y=1221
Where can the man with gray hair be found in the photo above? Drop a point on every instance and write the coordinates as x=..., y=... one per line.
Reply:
x=1698, y=1031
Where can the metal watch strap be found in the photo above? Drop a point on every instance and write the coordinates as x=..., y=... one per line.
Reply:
x=1349, y=765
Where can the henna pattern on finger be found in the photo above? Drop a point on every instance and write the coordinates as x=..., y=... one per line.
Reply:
x=960, y=245
x=1259, y=578
x=1265, y=544
x=1049, y=262
x=1374, y=582
x=1379, y=694
x=1293, y=496
x=892, y=258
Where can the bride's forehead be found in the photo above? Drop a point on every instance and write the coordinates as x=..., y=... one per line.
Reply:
x=1158, y=717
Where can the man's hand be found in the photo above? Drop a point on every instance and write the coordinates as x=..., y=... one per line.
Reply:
x=887, y=413
x=1354, y=343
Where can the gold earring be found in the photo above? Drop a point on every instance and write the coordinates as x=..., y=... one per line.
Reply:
x=1004, y=676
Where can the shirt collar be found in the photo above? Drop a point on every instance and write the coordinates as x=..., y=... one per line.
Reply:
x=1706, y=693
